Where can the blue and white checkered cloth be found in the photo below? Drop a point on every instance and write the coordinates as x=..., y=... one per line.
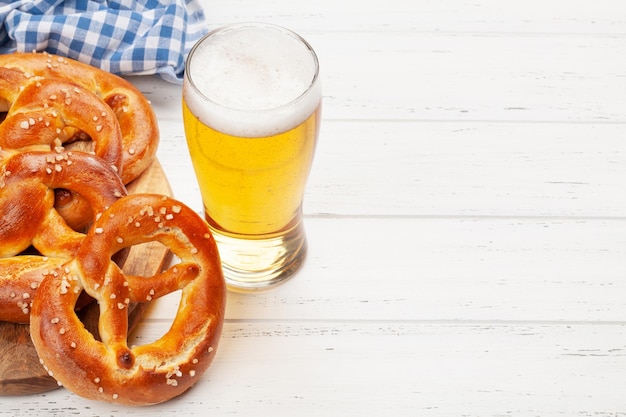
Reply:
x=126, y=37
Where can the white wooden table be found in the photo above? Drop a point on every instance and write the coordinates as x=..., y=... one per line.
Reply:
x=466, y=217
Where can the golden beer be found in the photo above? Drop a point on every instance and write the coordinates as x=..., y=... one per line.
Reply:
x=251, y=109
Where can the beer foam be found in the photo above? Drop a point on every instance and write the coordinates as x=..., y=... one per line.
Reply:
x=252, y=80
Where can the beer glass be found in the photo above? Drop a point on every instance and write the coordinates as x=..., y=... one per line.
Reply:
x=251, y=110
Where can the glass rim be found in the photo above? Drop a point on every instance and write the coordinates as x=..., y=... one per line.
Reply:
x=234, y=26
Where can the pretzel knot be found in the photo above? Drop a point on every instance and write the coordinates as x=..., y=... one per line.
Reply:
x=47, y=112
x=27, y=183
x=55, y=100
x=137, y=121
x=109, y=369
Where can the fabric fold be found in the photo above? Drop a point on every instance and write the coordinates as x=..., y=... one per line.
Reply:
x=125, y=37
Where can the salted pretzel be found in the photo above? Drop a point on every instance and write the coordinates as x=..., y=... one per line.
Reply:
x=29, y=222
x=27, y=183
x=43, y=109
x=20, y=277
x=45, y=113
x=140, y=134
x=110, y=370
x=135, y=117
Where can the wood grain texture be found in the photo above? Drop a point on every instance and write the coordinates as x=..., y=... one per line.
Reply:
x=20, y=370
x=334, y=368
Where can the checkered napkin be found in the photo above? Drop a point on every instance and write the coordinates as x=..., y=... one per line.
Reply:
x=126, y=37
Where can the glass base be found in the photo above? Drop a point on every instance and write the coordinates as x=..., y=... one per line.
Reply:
x=254, y=263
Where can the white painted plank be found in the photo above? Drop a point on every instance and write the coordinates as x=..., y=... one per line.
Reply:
x=492, y=169
x=415, y=76
x=532, y=16
x=377, y=368
x=390, y=269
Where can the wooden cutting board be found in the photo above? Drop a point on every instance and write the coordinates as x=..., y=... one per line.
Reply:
x=20, y=370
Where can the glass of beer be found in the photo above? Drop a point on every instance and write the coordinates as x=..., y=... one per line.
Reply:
x=251, y=109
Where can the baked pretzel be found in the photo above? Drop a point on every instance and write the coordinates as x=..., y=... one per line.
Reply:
x=42, y=110
x=27, y=183
x=109, y=370
x=20, y=277
x=138, y=123
x=135, y=117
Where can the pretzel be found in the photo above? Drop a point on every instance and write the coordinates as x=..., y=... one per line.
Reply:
x=20, y=276
x=140, y=133
x=27, y=181
x=135, y=117
x=109, y=370
x=43, y=109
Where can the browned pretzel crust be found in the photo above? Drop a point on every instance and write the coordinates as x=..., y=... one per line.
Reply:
x=137, y=121
x=110, y=370
x=53, y=101
x=28, y=218
x=27, y=182
x=44, y=110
